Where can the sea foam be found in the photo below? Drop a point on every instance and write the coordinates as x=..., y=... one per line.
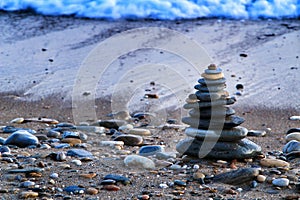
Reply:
x=159, y=9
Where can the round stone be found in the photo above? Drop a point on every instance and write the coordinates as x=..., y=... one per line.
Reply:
x=21, y=138
x=213, y=76
x=293, y=136
x=150, y=150
x=281, y=182
x=130, y=140
x=228, y=122
x=139, y=162
x=233, y=134
x=292, y=147
x=221, y=150
x=261, y=178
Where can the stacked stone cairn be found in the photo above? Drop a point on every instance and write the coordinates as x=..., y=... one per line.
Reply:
x=215, y=130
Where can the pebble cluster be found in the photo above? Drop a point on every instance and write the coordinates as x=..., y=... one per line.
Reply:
x=117, y=158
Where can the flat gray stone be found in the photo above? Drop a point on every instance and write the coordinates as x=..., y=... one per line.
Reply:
x=221, y=150
x=212, y=82
x=233, y=134
x=212, y=96
x=209, y=88
x=217, y=111
x=237, y=177
x=199, y=105
x=150, y=150
x=226, y=123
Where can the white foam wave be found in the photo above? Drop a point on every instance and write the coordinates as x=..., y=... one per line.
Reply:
x=159, y=9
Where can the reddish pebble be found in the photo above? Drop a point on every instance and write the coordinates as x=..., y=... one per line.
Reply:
x=111, y=187
x=92, y=191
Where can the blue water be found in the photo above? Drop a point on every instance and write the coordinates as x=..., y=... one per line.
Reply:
x=160, y=9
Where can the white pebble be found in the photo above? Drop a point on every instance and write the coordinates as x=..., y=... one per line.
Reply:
x=163, y=185
x=77, y=162
x=139, y=162
x=54, y=175
x=196, y=166
x=295, y=118
x=175, y=167
x=281, y=182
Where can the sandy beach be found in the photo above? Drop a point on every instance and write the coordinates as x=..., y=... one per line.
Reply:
x=40, y=59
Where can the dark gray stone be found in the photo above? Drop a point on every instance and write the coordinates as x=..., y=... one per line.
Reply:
x=21, y=139
x=217, y=111
x=212, y=96
x=292, y=149
x=228, y=122
x=130, y=140
x=118, y=178
x=221, y=150
x=229, y=135
x=199, y=105
x=112, y=123
x=70, y=134
x=150, y=150
x=238, y=176
x=293, y=130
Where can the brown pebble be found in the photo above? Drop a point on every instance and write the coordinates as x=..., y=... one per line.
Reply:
x=111, y=187
x=41, y=164
x=35, y=174
x=89, y=175
x=92, y=191
x=151, y=96
x=28, y=194
x=198, y=175
x=231, y=191
x=71, y=141
x=212, y=67
x=144, y=197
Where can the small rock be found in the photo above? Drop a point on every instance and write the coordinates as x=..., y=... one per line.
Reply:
x=19, y=120
x=79, y=153
x=53, y=134
x=130, y=140
x=238, y=176
x=163, y=186
x=113, y=123
x=256, y=133
x=74, y=189
x=253, y=184
x=139, y=162
x=112, y=143
x=281, y=182
x=61, y=156
x=54, y=175
x=140, y=131
x=71, y=141
x=125, y=128
x=261, y=178
x=165, y=155
x=293, y=136
x=180, y=183
x=27, y=184
x=118, y=178
x=77, y=162
x=150, y=150
x=70, y=134
x=292, y=130
x=92, y=191
x=111, y=187
x=295, y=118
x=268, y=162
x=21, y=138
x=89, y=175
x=198, y=175
x=28, y=194
x=175, y=167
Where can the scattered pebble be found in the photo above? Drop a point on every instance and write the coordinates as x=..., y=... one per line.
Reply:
x=268, y=162
x=139, y=162
x=295, y=118
x=281, y=182
x=21, y=138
